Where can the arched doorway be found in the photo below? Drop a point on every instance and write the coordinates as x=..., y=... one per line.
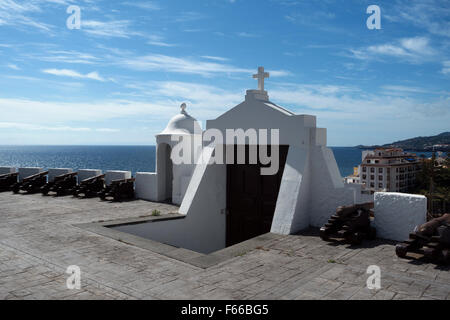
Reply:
x=165, y=172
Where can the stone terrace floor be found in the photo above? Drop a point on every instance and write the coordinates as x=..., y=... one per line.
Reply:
x=38, y=241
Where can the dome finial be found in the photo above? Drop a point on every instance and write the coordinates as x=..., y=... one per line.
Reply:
x=183, y=107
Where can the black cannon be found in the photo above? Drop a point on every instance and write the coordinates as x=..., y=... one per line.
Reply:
x=62, y=185
x=119, y=190
x=90, y=187
x=351, y=223
x=431, y=239
x=31, y=184
x=7, y=181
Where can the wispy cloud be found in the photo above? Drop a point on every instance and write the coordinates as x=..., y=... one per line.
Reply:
x=74, y=74
x=342, y=103
x=20, y=14
x=109, y=29
x=446, y=67
x=187, y=16
x=415, y=50
x=188, y=66
x=63, y=56
x=146, y=5
x=215, y=58
x=159, y=41
x=34, y=127
x=432, y=15
x=247, y=35
x=404, y=89
x=13, y=66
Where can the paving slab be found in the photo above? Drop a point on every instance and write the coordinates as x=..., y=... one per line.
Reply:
x=41, y=236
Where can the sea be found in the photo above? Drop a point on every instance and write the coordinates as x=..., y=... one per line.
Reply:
x=129, y=158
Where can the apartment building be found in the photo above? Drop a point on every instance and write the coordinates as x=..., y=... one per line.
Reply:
x=391, y=170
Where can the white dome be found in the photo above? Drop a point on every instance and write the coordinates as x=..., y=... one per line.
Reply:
x=182, y=123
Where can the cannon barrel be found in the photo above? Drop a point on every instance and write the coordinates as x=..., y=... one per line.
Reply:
x=88, y=180
x=351, y=223
x=64, y=176
x=9, y=175
x=123, y=181
x=431, y=239
x=34, y=176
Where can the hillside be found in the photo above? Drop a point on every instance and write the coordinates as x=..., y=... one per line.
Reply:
x=419, y=143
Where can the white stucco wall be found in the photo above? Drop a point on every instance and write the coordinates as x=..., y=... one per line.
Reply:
x=26, y=172
x=146, y=186
x=292, y=210
x=327, y=188
x=257, y=114
x=204, y=203
x=54, y=172
x=6, y=170
x=182, y=174
x=397, y=214
x=110, y=176
x=84, y=174
x=173, y=184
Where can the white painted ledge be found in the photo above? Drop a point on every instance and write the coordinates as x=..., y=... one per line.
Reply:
x=54, y=172
x=397, y=214
x=26, y=172
x=84, y=174
x=116, y=175
x=146, y=186
x=6, y=170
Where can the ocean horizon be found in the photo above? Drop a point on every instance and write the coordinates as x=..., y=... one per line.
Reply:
x=137, y=158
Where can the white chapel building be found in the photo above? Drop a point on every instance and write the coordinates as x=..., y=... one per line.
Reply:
x=225, y=203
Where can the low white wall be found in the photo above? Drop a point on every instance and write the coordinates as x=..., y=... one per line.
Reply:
x=397, y=214
x=116, y=175
x=26, y=172
x=146, y=186
x=203, y=228
x=54, y=172
x=6, y=170
x=84, y=174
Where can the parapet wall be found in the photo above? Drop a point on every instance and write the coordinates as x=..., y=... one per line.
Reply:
x=397, y=214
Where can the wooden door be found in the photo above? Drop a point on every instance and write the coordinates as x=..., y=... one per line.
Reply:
x=251, y=198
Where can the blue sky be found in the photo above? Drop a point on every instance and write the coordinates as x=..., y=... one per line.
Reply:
x=123, y=75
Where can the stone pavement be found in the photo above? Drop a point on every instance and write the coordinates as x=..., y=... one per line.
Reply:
x=39, y=239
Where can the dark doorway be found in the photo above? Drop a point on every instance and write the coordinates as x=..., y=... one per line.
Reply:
x=251, y=197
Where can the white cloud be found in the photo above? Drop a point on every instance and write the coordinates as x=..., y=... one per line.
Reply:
x=406, y=89
x=17, y=14
x=446, y=67
x=188, y=66
x=64, y=56
x=146, y=5
x=415, y=50
x=33, y=127
x=342, y=108
x=432, y=15
x=347, y=104
x=247, y=35
x=109, y=29
x=215, y=58
x=159, y=41
x=74, y=74
x=13, y=66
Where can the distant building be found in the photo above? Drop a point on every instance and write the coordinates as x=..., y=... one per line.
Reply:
x=354, y=178
x=391, y=170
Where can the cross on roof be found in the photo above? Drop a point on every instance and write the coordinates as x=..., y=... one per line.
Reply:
x=261, y=75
